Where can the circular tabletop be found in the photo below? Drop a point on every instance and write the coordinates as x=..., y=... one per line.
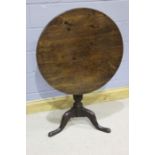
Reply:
x=79, y=51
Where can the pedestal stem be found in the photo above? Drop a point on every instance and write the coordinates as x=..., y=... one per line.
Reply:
x=78, y=111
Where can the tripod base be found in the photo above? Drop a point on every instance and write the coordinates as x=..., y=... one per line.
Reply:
x=78, y=111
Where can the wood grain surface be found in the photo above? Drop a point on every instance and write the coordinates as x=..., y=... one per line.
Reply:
x=79, y=51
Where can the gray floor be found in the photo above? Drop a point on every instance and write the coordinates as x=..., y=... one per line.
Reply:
x=79, y=137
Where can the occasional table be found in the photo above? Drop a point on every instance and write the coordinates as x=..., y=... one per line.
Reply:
x=78, y=52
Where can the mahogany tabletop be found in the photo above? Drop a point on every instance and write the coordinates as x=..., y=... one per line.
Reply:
x=79, y=51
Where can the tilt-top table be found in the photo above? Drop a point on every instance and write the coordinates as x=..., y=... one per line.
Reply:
x=78, y=52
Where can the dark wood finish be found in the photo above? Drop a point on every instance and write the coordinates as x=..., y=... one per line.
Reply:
x=79, y=51
x=78, y=111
